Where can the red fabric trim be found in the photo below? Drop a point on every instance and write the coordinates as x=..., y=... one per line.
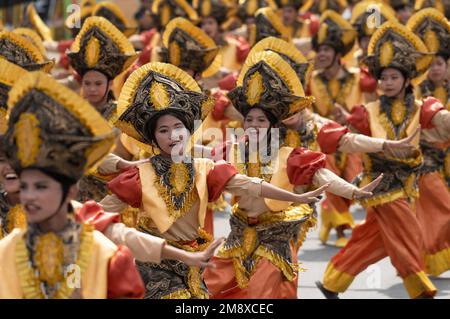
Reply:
x=430, y=107
x=302, y=164
x=221, y=103
x=367, y=83
x=228, y=82
x=124, y=280
x=329, y=136
x=146, y=36
x=127, y=186
x=359, y=119
x=218, y=178
x=92, y=213
x=243, y=49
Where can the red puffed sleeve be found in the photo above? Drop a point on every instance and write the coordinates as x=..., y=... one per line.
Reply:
x=243, y=48
x=302, y=164
x=124, y=280
x=430, y=107
x=147, y=36
x=329, y=136
x=218, y=178
x=62, y=48
x=221, y=103
x=359, y=119
x=228, y=82
x=367, y=83
x=127, y=186
x=92, y=213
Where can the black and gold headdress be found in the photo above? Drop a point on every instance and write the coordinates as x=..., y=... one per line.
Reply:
x=269, y=24
x=268, y=82
x=289, y=53
x=33, y=37
x=320, y=6
x=156, y=89
x=101, y=46
x=113, y=14
x=335, y=32
x=18, y=50
x=188, y=46
x=248, y=8
x=436, y=4
x=221, y=10
x=368, y=15
x=394, y=45
x=166, y=10
x=9, y=74
x=32, y=20
x=51, y=127
x=434, y=30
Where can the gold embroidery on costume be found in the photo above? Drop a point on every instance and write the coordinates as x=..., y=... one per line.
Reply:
x=31, y=284
x=16, y=218
x=27, y=138
x=159, y=96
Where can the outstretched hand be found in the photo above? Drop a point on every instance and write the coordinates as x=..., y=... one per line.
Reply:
x=313, y=196
x=201, y=259
x=404, y=145
x=366, y=191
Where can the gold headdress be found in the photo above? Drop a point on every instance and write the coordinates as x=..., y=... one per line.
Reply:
x=289, y=53
x=75, y=21
x=33, y=20
x=248, y=8
x=188, y=46
x=268, y=82
x=436, y=4
x=221, y=10
x=167, y=10
x=320, y=6
x=32, y=36
x=336, y=32
x=18, y=50
x=52, y=128
x=9, y=74
x=269, y=24
x=393, y=45
x=156, y=89
x=113, y=14
x=368, y=15
x=434, y=30
x=101, y=46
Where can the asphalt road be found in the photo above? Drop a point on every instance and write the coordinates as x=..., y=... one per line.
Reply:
x=379, y=281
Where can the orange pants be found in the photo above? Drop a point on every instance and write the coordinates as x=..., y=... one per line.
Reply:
x=433, y=213
x=209, y=221
x=267, y=281
x=335, y=209
x=389, y=230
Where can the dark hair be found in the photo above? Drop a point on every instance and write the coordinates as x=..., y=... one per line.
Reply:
x=150, y=126
x=272, y=119
x=65, y=181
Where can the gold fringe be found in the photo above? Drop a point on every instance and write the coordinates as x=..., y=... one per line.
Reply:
x=30, y=284
x=30, y=34
x=194, y=283
x=280, y=66
x=109, y=29
x=114, y=8
x=289, y=270
x=188, y=27
x=422, y=63
x=275, y=21
x=383, y=199
x=178, y=294
x=427, y=14
x=24, y=44
x=16, y=218
x=348, y=32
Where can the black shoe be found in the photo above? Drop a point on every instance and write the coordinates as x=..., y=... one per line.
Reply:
x=327, y=293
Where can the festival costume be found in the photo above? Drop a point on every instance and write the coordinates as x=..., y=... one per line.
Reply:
x=51, y=128
x=101, y=47
x=433, y=204
x=259, y=257
x=391, y=227
x=339, y=34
